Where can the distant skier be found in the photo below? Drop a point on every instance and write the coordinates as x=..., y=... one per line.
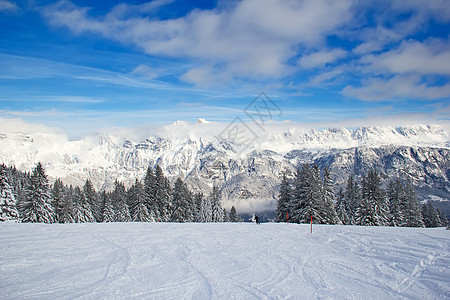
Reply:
x=257, y=219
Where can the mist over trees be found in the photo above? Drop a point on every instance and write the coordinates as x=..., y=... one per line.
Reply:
x=310, y=193
x=31, y=198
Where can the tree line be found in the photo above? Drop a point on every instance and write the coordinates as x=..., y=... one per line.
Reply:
x=26, y=197
x=310, y=193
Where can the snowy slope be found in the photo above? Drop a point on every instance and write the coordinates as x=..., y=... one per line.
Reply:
x=248, y=174
x=222, y=261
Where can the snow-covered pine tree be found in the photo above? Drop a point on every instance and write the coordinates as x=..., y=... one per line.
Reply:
x=330, y=216
x=119, y=199
x=284, y=200
x=205, y=213
x=68, y=209
x=139, y=206
x=234, y=217
x=443, y=218
x=181, y=203
x=83, y=213
x=373, y=207
x=352, y=199
x=216, y=207
x=297, y=203
x=411, y=212
x=341, y=207
x=92, y=199
x=8, y=208
x=38, y=204
x=198, y=204
x=58, y=194
x=109, y=214
x=226, y=216
x=430, y=216
x=163, y=192
x=396, y=198
x=151, y=190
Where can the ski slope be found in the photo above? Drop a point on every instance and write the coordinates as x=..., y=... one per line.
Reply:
x=222, y=261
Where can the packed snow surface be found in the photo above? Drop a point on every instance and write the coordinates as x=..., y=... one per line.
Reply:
x=222, y=261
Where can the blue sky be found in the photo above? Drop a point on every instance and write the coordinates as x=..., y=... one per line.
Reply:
x=83, y=65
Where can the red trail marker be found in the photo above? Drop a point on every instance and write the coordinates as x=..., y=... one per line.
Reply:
x=311, y=224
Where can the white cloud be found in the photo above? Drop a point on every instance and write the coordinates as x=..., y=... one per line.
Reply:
x=430, y=57
x=6, y=5
x=321, y=58
x=397, y=87
x=250, y=39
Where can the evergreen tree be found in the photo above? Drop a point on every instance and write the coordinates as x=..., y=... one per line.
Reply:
x=342, y=208
x=119, y=199
x=38, y=205
x=372, y=210
x=205, y=213
x=68, y=211
x=352, y=199
x=198, y=204
x=216, y=208
x=330, y=216
x=151, y=197
x=92, y=199
x=58, y=196
x=234, y=217
x=8, y=208
x=109, y=214
x=83, y=213
x=226, y=216
x=411, y=211
x=139, y=205
x=443, y=218
x=396, y=198
x=284, y=200
x=163, y=193
x=182, y=203
x=430, y=216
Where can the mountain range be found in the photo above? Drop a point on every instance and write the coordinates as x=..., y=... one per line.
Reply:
x=248, y=170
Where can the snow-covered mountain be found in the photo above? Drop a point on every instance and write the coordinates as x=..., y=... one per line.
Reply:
x=247, y=172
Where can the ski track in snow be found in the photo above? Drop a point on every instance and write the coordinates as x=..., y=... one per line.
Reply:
x=222, y=261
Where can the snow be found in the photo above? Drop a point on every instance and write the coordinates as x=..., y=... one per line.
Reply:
x=222, y=261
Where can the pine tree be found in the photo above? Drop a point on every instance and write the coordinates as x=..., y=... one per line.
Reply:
x=372, y=210
x=182, y=203
x=38, y=205
x=284, y=200
x=411, y=211
x=83, y=213
x=8, y=208
x=342, y=208
x=109, y=214
x=139, y=208
x=352, y=199
x=68, y=211
x=226, y=216
x=443, y=218
x=330, y=216
x=119, y=199
x=92, y=199
x=234, y=217
x=430, y=216
x=151, y=197
x=197, y=204
x=396, y=198
x=205, y=213
x=216, y=207
x=58, y=195
x=163, y=192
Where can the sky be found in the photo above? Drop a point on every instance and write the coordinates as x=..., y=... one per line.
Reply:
x=84, y=65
